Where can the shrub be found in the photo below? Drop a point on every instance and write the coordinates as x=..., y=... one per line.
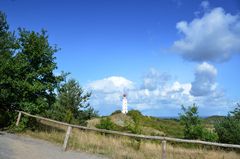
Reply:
x=208, y=135
x=136, y=116
x=228, y=130
x=4, y=119
x=133, y=113
x=116, y=112
x=106, y=123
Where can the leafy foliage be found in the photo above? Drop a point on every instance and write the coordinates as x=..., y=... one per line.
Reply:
x=136, y=116
x=28, y=83
x=26, y=68
x=228, y=129
x=236, y=112
x=191, y=122
x=36, y=81
x=106, y=123
x=208, y=135
x=193, y=128
x=72, y=104
x=7, y=67
x=116, y=112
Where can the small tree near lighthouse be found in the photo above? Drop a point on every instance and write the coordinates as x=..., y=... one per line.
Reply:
x=124, y=104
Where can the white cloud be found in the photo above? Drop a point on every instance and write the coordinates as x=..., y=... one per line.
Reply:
x=161, y=97
x=108, y=91
x=205, y=80
x=155, y=91
x=111, y=84
x=184, y=88
x=213, y=37
x=154, y=79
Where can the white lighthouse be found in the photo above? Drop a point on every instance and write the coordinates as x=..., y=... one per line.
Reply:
x=124, y=104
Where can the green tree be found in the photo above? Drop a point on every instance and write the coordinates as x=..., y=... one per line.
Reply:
x=36, y=62
x=193, y=128
x=236, y=112
x=228, y=129
x=8, y=98
x=27, y=80
x=72, y=97
x=192, y=123
x=72, y=104
x=26, y=66
x=86, y=114
x=136, y=116
x=7, y=66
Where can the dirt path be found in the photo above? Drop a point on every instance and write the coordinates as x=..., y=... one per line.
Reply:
x=19, y=147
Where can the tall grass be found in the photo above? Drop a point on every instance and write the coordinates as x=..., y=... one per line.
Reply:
x=119, y=147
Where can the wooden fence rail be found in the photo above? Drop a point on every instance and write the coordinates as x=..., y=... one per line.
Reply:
x=161, y=138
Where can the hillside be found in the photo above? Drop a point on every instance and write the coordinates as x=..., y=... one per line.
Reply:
x=212, y=119
x=146, y=125
x=121, y=147
x=209, y=122
x=149, y=125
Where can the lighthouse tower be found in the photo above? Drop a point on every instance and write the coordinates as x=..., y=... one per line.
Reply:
x=124, y=104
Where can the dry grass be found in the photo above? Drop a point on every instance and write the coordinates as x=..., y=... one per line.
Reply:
x=119, y=147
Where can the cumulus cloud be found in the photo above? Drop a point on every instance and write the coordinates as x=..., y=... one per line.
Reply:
x=111, y=84
x=154, y=92
x=108, y=91
x=214, y=37
x=165, y=95
x=205, y=80
x=154, y=79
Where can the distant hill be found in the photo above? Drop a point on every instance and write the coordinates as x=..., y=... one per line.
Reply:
x=212, y=119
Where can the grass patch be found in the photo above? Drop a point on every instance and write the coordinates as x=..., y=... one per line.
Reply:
x=119, y=147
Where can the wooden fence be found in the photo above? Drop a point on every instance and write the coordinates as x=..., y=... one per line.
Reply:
x=161, y=138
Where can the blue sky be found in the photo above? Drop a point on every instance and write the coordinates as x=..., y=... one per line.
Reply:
x=161, y=53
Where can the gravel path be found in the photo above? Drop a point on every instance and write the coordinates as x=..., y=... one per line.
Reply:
x=19, y=147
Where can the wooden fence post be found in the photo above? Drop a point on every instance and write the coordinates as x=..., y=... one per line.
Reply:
x=66, y=138
x=164, y=153
x=18, y=119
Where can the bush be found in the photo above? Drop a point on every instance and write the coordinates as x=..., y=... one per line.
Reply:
x=116, y=112
x=134, y=128
x=106, y=123
x=4, y=119
x=134, y=113
x=136, y=116
x=208, y=135
x=228, y=130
